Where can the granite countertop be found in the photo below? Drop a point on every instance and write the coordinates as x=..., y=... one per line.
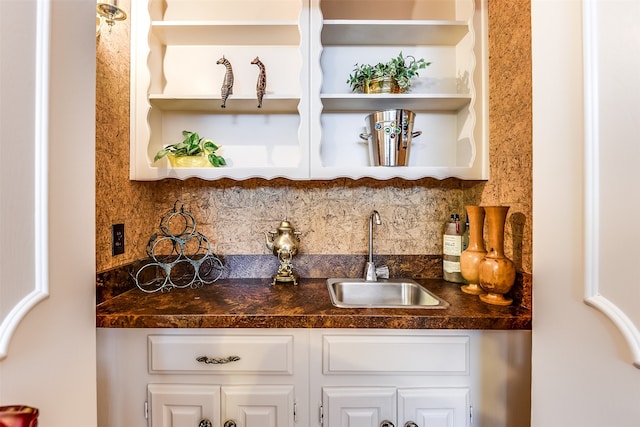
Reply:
x=255, y=303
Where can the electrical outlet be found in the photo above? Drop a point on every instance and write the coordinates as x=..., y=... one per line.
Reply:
x=117, y=239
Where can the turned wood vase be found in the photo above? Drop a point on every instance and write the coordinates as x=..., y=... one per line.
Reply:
x=497, y=273
x=475, y=252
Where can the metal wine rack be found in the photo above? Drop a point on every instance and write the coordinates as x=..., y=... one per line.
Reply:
x=180, y=256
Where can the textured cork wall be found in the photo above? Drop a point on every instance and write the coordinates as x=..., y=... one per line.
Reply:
x=332, y=215
x=118, y=200
x=510, y=127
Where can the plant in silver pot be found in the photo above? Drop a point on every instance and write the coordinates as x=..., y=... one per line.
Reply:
x=393, y=76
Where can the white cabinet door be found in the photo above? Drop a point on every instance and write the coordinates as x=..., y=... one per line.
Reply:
x=183, y=405
x=416, y=407
x=433, y=407
x=258, y=406
x=358, y=406
x=186, y=405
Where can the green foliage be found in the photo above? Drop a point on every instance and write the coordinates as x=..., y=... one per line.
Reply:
x=193, y=145
x=401, y=68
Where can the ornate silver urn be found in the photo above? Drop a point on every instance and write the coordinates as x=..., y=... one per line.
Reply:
x=284, y=244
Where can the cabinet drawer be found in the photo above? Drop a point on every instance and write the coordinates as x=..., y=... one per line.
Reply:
x=216, y=354
x=392, y=354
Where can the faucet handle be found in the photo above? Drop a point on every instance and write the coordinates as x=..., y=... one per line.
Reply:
x=382, y=272
x=370, y=272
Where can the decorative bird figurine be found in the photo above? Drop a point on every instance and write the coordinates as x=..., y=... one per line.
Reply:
x=227, y=83
x=262, y=80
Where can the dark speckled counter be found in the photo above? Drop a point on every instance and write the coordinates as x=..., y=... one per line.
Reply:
x=254, y=303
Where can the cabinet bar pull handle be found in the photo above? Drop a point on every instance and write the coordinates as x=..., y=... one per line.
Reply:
x=217, y=360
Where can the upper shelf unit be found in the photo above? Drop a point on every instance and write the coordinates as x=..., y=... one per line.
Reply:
x=244, y=32
x=272, y=104
x=178, y=77
x=338, y=32
x=310, y=121
x=448, y=98
x=356, y=32
x=340, y=102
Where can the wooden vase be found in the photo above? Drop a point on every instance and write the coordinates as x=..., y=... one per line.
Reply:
x=475, y=252
x=497, y=273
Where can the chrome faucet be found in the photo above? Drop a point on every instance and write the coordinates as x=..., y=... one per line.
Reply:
x=371, y=273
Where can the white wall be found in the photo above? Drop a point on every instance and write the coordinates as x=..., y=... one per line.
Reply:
x=582, y=367
x=51, y=358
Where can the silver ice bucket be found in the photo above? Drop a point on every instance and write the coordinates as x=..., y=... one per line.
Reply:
x=389, y=137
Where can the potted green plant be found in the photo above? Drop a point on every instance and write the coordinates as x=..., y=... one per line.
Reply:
x=393, y=76
x=193, y=151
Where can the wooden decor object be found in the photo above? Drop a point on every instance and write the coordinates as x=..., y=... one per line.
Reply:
x=475, y=252
x=497, y=272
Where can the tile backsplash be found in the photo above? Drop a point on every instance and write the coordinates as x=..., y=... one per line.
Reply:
x=331, y=215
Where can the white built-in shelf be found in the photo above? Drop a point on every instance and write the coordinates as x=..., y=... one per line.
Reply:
x=418, y=102
x=390, y=172
x=309, y=126
x=231, y=172
x=345, y=32
x=195, y=33
x=271, y=104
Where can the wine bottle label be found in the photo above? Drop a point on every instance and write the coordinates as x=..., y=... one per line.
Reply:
x=451, y=266
x=452, y=245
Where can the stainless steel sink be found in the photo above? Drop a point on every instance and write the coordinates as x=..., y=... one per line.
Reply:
x=385, y=293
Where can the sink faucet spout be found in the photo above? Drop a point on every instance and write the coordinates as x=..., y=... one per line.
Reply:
x=371, y=273
x=374, y=215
